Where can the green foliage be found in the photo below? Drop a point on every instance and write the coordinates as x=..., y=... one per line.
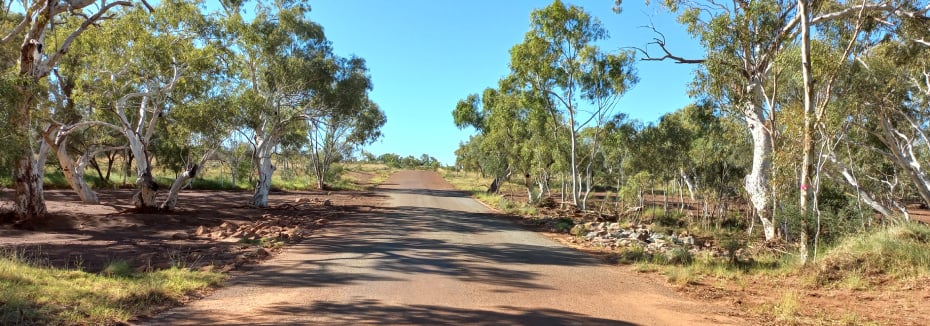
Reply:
x=564, y=225
x=424, y=162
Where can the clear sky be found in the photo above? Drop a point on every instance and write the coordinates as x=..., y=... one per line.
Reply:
x=426, y=55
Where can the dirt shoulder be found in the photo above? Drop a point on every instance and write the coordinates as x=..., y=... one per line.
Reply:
x=200, y=234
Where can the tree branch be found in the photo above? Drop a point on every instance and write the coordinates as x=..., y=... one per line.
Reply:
x=660, y=41
x=46, y=66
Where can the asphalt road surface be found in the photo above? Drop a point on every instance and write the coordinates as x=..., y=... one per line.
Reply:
x=433, y=256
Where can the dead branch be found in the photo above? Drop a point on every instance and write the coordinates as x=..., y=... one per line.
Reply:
x=660, y=41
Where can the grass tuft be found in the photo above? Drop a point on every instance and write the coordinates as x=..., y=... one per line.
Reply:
x=119, y=268
x=899, y=252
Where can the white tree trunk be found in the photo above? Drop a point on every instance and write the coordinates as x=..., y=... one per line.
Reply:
x=182, y=179
x=145, y=197
x=902, y=153
x=175, y=190
x=687, y=180
x=757, y=181
x=265, y=170
x=864, y=196
x=74, y=173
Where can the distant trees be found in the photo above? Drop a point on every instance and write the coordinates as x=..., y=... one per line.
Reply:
x=408, y=162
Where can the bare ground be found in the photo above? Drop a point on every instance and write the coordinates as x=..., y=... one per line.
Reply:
x=89, y=237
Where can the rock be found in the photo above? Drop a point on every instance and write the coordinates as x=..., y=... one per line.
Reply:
x=688, y=240
x=642, y=235
x=200, y=231
x=613, y=226
x=327, y=203
x=180, y=236
x=261, y=253
x=218, y=234
x=591, y=235
x=229, y=226
x=578, y=229
x=321, y=221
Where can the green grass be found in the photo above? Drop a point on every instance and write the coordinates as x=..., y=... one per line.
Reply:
x=477, y=186
x=35, y=294
x=900, y=252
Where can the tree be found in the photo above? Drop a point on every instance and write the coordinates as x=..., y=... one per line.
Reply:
x=347, y=118
x=284, y=61
x=36, y=60
x=559, y=63
x=164, y=71
x=739, y=70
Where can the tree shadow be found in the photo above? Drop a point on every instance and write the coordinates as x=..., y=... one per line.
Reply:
x=370, y=311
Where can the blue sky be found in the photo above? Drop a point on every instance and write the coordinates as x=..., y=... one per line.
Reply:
x=425, y=55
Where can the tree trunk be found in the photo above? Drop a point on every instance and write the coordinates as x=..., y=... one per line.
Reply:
x=687, y=180
x=74, y=173
x=499, y=181
x=175, y=190
x=265, y=170
x=145, y=196
x=757, y=181
x=807, y=154
x=96, y=166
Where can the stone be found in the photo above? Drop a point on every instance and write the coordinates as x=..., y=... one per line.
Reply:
x=577, y=229
x=591, y=235
x=180, y=236
x=327, y=203
x=218, y=234
x=642, y=235
x=200, y=231
x=688, y=240
x=261, y=253
x=229, y=226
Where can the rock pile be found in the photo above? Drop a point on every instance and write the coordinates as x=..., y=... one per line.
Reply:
x=613, y=236
x=290, y=223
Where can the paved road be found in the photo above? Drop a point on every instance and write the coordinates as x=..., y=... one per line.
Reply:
x=432, y=256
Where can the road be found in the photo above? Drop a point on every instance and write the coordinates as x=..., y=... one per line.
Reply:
x=431, y=255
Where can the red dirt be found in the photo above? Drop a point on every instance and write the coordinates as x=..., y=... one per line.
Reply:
x=89, y=237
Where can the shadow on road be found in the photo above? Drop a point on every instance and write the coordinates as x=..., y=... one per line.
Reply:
x=413, y=241
x=368, y=311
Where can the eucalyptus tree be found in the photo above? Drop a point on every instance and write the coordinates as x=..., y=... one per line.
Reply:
x=285, y=64
x=37, y=57
x=347, y=117
x=558, y=61
x=494, y=114
x=164, y=71
x=742, y=42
